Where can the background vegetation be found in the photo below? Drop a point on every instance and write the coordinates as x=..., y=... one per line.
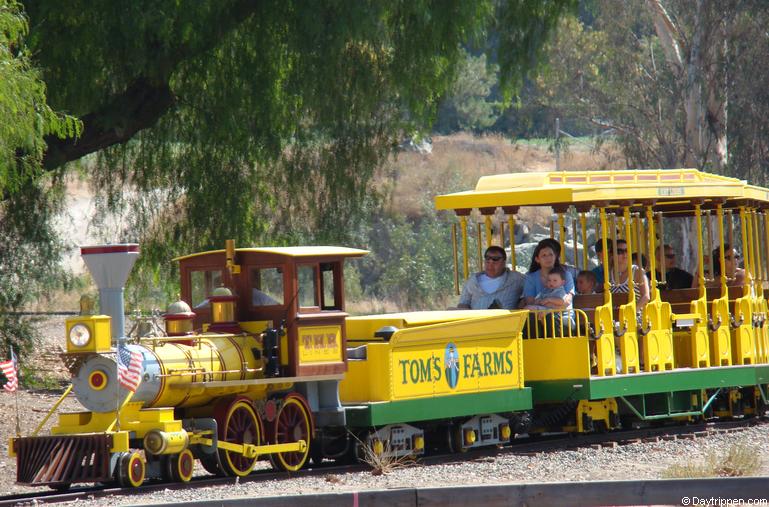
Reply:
x=283, y=122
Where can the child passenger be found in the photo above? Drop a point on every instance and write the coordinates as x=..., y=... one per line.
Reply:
x=553, y=296
x=586, y=282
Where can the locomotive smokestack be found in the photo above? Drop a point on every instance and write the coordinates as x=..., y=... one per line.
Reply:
x=109, y=266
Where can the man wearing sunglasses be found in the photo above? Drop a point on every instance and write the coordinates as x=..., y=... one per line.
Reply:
x=675, y=277
x=494, y=287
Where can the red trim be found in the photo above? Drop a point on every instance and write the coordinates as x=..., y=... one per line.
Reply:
x=105, y=249
x=179, y=316
x=222, y=299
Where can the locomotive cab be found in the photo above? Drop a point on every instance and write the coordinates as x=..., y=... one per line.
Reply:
x=296, y=291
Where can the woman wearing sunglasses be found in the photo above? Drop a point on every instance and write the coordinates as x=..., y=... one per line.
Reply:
x=495, y=286
x=619, y=280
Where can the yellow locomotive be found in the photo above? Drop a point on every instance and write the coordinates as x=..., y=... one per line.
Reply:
x=261, y=375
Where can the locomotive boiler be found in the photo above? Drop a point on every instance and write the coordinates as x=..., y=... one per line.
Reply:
x=258, y=376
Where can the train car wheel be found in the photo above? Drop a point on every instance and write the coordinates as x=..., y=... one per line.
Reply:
x=240, y=426
x=131, y=470
x=181, y=466
x=292, y=423
x=456, y=439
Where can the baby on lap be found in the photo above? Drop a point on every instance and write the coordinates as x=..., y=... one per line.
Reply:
x=553, y=296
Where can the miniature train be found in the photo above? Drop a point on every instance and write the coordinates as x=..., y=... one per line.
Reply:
x=260, y=360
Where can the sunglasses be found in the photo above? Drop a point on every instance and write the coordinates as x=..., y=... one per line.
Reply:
x=670, y=256
x=493, y=259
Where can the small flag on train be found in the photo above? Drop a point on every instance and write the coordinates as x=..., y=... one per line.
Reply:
x=129, y=367
x=10, y=370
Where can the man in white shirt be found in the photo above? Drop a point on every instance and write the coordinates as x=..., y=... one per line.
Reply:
x=495, y=286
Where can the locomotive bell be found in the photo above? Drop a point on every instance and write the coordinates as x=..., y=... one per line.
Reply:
x=178, y=319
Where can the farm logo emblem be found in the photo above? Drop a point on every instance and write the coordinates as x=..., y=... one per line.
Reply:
x=452, y=365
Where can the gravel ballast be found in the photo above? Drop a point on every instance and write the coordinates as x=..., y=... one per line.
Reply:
x=624, y=462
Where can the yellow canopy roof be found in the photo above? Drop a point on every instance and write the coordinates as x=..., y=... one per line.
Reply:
x=589, y=187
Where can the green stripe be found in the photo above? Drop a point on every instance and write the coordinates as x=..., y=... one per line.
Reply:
x=442, y=407
x=597, y=388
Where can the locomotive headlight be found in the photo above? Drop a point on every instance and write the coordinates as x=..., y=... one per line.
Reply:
x=79, y=335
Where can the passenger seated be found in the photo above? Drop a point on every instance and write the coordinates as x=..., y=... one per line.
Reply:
x=735, y=275
x=556, y=246
x=675, y=278
x=494, y=287
x=553, y=295
x=619, y=285
x=586, y=282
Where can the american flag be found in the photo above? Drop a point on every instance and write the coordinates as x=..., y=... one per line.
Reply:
x=129, y=368
x=9, y=370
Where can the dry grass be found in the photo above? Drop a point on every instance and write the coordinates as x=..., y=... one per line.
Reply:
x=384, y=463
x=457, y=161
x=740, y=460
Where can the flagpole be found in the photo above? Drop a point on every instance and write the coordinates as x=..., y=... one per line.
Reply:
x=16, y=393
x=117, y=378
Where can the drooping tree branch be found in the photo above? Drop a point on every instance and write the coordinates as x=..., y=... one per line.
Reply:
x=137, y=108
x=148, y=96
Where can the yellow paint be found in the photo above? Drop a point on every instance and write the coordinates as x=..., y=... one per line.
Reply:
x=320, y=344
x=481, y=353
x=657, y=348
x=254, y=326
x=531, y=189
x=362, y=328
x=101, y=336
x=742, y=337
x=557, y=358
x=131, y=419
x=599, y=410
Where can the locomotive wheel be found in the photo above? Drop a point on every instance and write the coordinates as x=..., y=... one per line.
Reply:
x=211, y=465
x=180, y=466
x=292, y=423
x=130, y=470
x=240, y=426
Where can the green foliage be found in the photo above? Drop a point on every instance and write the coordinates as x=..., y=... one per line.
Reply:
x=29, y=250
x=25, y=118
x=278, y=114
x=411, y=261
x=468, y=106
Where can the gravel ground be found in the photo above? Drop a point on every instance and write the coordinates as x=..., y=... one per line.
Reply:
x=627, y=462
x=635, y=461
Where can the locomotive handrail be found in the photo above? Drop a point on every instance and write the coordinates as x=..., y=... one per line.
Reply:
x=53, y=409
x=257, y=381
x=191, y=372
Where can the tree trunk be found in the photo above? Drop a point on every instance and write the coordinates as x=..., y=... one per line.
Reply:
x=696, y=68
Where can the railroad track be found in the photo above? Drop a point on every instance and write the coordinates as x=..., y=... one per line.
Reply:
x=524, y=446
